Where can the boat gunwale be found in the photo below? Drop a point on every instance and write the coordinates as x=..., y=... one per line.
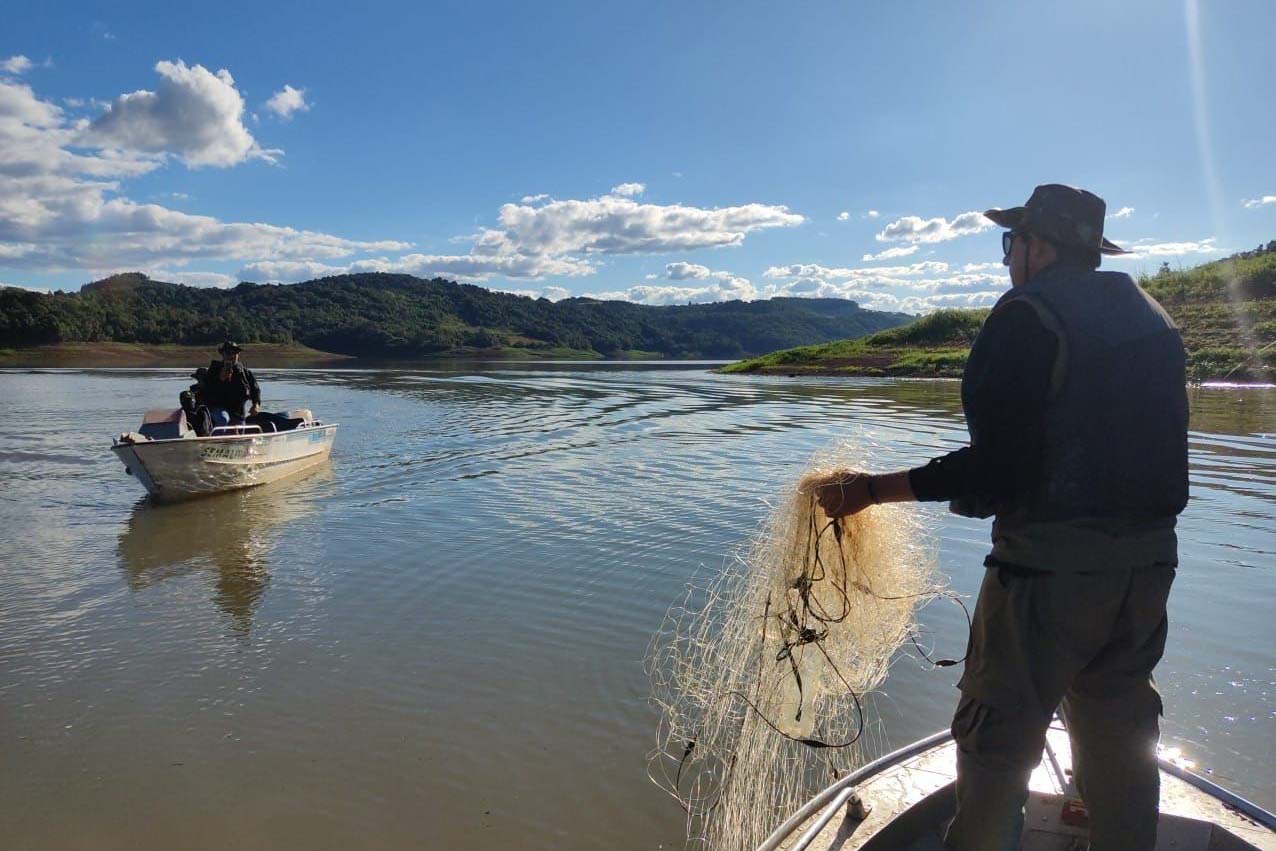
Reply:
x=829, y=794
x=860, y=774
x=117, y=443
x=1222, y=794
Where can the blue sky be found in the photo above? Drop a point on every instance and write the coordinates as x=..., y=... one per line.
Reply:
x=654, y=152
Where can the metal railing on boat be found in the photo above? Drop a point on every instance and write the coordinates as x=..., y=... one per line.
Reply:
x=842, y=790
x=235, y=430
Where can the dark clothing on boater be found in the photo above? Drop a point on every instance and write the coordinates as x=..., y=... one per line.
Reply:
x=1008, y=410
x=1075, y=399
x=232, y=394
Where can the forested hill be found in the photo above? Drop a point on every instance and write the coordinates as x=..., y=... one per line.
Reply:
x=400, y=316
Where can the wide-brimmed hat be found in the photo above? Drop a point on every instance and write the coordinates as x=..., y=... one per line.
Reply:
x=1062, y=214
x=229, y=346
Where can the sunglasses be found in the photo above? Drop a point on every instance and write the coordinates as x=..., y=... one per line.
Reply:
x=1008, y=240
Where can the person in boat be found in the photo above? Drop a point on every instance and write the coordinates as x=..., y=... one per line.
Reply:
x=1075, y=400
x=228, y=386
x=193, y=407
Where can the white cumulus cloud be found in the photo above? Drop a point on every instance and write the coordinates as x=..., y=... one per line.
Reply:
x=828, y=273
x=614, y=224
x=889, y=253
x=872, y=214
x=1149, y=247
x=843, y=216
x=193, y=279
x=918, y=288
x=193, y=113
x=554, y=239
x=938, y=229
x=61, y=206
x=1260, y=201
x=286, y=101
x=681, y=271
x=287, y=271
x=629, y=190
x=1123, y=213
x=16, y=64
x=462, y=267
x=730, y=289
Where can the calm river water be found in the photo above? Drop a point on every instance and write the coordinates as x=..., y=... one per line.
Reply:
x=437, y=640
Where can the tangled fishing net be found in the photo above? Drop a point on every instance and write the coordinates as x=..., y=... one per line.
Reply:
x=761, y=673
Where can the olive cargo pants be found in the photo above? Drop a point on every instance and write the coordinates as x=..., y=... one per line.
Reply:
x=1088, y=641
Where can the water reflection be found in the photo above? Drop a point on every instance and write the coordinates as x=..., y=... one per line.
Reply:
x=1233, y=410
x=229, y=535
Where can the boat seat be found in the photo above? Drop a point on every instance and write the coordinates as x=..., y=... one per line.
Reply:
x=300, y=414
x=164, y=424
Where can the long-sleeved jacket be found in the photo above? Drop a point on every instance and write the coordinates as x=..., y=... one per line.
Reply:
x=1075, y=401
x=1008, y=376
x=230, y=394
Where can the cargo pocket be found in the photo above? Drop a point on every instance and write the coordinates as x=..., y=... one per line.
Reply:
x=997, y=739
x=967, y=718
x=992, y=674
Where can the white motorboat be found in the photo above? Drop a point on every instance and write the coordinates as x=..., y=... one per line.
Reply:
x=905, y=799
x=167, y=457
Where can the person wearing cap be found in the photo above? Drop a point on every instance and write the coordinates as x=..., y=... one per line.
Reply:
x=192, y=404
x=1075, y=399
x=228, y=386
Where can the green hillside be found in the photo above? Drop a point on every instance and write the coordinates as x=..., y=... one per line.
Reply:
x=1225, y=309
x=402, y=317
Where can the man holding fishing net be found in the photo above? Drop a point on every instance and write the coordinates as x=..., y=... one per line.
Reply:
x=1075, y=399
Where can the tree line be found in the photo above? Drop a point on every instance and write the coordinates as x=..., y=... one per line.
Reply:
x=401, y=316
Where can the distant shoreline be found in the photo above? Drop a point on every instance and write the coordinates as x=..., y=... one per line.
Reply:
x=88, y=355
x=261, y=356
x=868, y=366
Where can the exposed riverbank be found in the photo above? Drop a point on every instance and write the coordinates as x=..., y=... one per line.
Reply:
x=89, y=355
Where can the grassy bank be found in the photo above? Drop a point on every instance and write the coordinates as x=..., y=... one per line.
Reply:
x=1226, y=311
x=935, y=345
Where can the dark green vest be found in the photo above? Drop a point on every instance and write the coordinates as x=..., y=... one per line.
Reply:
x=1114, y=469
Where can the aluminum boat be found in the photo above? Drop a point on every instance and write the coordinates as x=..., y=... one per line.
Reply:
x=172, y=463
x=905, y=800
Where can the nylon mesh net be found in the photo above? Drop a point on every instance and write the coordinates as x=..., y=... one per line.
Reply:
x=761, y=672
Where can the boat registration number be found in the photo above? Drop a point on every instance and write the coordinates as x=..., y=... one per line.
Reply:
x=226, y=453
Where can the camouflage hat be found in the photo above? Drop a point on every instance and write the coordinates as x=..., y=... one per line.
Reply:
x=1062, y=214
x=230, y=346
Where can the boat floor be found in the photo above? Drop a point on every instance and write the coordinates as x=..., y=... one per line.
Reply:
x=915, y=798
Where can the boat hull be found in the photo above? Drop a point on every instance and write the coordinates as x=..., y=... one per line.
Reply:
x=188, y=467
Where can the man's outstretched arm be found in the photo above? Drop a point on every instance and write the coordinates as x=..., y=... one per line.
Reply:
x=1010, y=368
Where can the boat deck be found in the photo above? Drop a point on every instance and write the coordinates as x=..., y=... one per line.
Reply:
x=915, y=798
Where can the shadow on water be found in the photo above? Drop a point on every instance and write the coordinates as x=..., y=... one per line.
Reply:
x=230, y=535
